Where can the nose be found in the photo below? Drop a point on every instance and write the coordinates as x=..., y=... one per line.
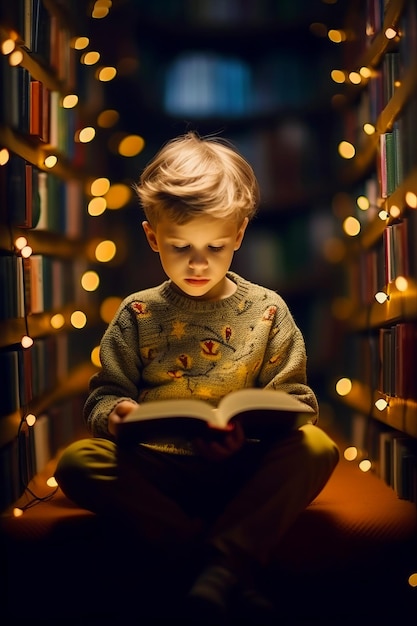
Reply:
x=197, y=260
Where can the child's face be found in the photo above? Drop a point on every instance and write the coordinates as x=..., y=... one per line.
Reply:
x=197, y=255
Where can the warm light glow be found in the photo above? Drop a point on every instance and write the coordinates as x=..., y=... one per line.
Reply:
x=4, y=156
x=90, y=281
x=108, y=118
x=26, y=251
x=365, y=72
x=100, y=186
x=355, y=78
x=57, y=321
x=412, y=580
x=343, y=386
x=363, y=203
x=105, y=251
x=351, y=226
x=70, y=101
x=336, y=36
x=338, y=76
x=17, y=512
x=90, y=58
x=350, y=453
x=106, y=74
x=390, y=33
x=118, y=196
x=26, y=341
x=131, y=145
x=109, y=307
x=8, y=46
x=369, y=129
x=346, y=150
x=50, y=161
x=381, y=404
x=30, y=419
x=381, y=297
x=383, y=215
x=20, y=243
x=80, y=43
x=333, y=249
x=78, y=319
x=96, y=206
x=411, y=199
x=365, y=465
x=99, y=12
x=395, y=211
x=401, y=283
x=16, y=58
x=95, y=356
x=51, y=482
x=85, y=135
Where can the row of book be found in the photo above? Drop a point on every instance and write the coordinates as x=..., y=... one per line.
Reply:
x=393, y=255
x=39, y=284
x=392, y=454
x=44, y=29
x=30, y=372
x=28, y=454
x=33, y=198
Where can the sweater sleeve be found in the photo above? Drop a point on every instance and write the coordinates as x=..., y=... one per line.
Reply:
x=119, y=376
x=285, y=364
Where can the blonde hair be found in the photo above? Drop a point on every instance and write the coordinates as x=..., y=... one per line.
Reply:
x=193, y=175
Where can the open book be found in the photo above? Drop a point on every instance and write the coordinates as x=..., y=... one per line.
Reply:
x=260, y=411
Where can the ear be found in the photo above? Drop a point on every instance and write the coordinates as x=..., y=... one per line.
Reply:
x=241, y=233
x=150, y=236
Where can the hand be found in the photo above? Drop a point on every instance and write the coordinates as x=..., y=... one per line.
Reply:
x=118, y=414
x=220, y=450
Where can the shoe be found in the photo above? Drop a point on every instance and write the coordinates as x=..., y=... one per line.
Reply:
x=207, y=602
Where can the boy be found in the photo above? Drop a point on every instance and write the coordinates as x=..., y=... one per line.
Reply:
x=201, y=334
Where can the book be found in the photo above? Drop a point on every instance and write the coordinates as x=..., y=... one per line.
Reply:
x=261, y=412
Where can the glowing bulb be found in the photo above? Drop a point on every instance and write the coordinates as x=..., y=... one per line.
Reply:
x=90, y=58
x=383, y=215
x=346, y=150
x=105, y=251
x=412, y=580
x=100, y=187
x=344, y=386
x=17, y=512
x=381, y=297
x=26, y=341
x=365, y=72
x=395, y=211
x=369, y=129
x=78, y=319
x=51, y=161
x=355, y=78
x=8, y=46
x=95, y=356
x=80, y=43
x=20, y=243
x=30, y=419
x=96, y=206
x=381, y=404
x=401, y=283
x=90, y=281
x=85, y=135
x=411, y=199
x=26, y=251
x=51, y=482
x=390, y=33
x=338, y=76
x=363, y=203
x=57, y=321
x=4, y=156
x=131, y=145
x=106, y=74
x=350, y=453
x=70, y=101
x=15, y=58
x=351, y=226
x=365, y=465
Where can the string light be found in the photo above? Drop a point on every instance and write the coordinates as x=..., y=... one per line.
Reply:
x=381, y=297
x=381, y=404
x=30, y=419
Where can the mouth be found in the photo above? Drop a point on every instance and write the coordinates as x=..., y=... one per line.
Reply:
x=197, y=282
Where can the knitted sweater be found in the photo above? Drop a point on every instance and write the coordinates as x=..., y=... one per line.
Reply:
x=162, y=344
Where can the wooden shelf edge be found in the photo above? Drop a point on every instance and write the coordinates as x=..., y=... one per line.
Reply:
x=75, y=383
x=400, y=414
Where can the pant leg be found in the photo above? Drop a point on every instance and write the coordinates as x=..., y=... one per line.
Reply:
x=289, y=476
x=95, y=474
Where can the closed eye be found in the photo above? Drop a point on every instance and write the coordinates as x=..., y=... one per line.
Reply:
x=216, y=248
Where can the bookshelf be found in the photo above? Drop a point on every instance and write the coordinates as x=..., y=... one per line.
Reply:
x=378, y=362
x=49, y=314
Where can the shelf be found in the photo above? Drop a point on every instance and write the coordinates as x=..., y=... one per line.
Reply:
x=400, y=414
x=12, y=330
x=75, y=383
x=400, y=306
x=47, y=243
